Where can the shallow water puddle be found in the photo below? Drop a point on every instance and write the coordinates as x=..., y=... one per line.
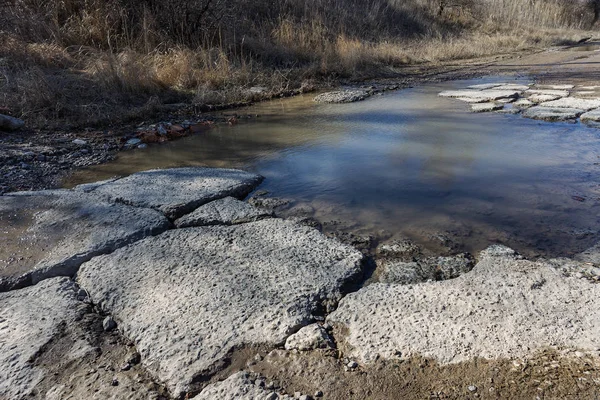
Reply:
x=409, y=164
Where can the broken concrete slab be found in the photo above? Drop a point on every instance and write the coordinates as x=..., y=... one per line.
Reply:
x=226, y=211
x=241, y=386
x=523, y=103
x=481, y=95
x=178, y=191
x=29, y=319
x=591, y=116
x=504, y=308
x=180, y=291
x=557, y=93
x=51, y=233
x=486, y=107
x=552, y=114
x=342, y=96
x=573, y=103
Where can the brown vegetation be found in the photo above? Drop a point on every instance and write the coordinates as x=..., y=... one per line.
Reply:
x=98, y=60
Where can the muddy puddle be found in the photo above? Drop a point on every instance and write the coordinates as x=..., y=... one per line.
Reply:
x=409, y=164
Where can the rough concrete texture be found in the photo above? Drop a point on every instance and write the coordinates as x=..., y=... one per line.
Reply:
x=342, y=96
x=178, y=191
x=505, y=307
x=542, y=98
x=482, y=95
x=486, y=107
x=29, y=319
x=591, y=116
x=558, y=93
x=8, y=123
x=523, y=103
x=61, y=229
x=186, y=303
x=310, y=337
x=240, y=386
x=552, y=114
x=573, y=103
x=430, y=269
x=227, y=211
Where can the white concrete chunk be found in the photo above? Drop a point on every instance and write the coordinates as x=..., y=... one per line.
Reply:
x=481, y=95
x=573, y=103
x=547, y=92
x=591, y=116
x=552, y=114
x=227, y=211
x=504, y=307
x=177, y=191
x=342, y=96
x=189, y=296
x=486, y=107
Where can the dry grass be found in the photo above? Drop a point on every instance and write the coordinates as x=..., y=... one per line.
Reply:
x=98, y=60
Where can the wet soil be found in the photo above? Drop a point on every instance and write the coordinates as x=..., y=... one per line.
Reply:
x=547, y=375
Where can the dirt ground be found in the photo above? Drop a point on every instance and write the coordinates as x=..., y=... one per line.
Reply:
x=547, y=375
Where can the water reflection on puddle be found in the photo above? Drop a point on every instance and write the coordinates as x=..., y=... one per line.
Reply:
x=409, y=164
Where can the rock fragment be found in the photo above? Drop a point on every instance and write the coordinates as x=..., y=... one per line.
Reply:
x=591, y=117
x=178, y=191
x=545, y=113
x=308, y=338
x=181, y=291
x=226, y=211
x=29, y=319
x=430, y=269
x=573, y=103
x=240, y=386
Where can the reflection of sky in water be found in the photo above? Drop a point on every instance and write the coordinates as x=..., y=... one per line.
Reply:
x=411, y=163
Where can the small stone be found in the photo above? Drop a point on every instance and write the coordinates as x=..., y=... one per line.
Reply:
x=305, y=397
x=125, y=367
x=472, y=388
x=79, y=142
x=318, y=393
x=82, y=294
x=134, y=359
x=8, y=123
x=115, y=381
x=142, y=146
x=352, y=365
x=161, y=130
x=109, y=324
x=133, y=142
x=271, y=396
